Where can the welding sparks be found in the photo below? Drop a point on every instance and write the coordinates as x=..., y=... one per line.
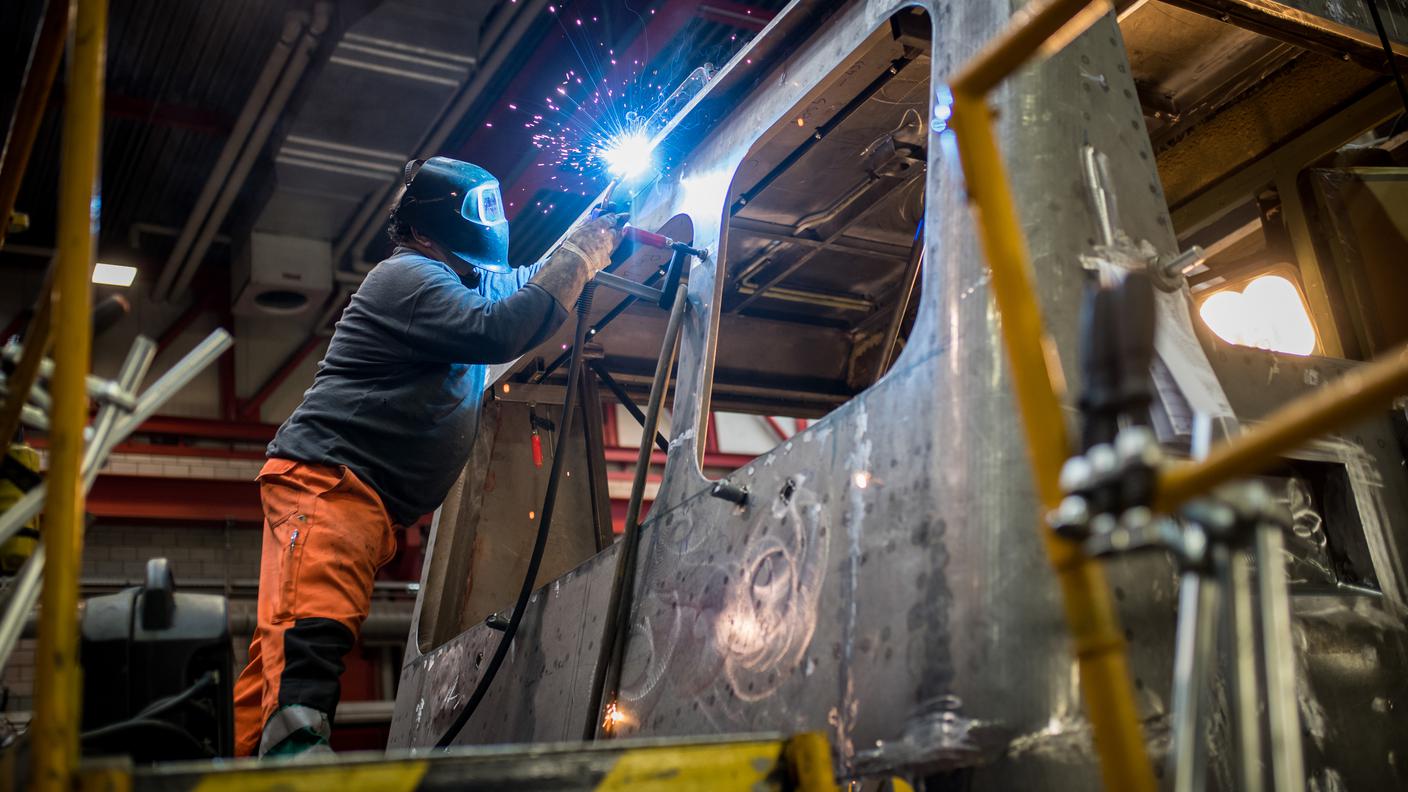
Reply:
x=615, y=716
x=628, y=156
x=597, y=118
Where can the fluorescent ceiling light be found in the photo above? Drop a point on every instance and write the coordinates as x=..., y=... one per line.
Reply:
x=114, y=274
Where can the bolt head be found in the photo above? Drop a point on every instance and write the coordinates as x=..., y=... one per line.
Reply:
x=1103, y=459
x=1075, y=474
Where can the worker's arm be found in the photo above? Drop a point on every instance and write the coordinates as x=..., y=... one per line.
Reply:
x=585, y=252
x=454, y=323
x=500, y=284
x=495, y=285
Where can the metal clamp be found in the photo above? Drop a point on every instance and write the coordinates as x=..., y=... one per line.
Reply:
x=1220, y=542
x=1169, y=272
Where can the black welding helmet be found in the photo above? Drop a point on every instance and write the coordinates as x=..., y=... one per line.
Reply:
x=458, y=206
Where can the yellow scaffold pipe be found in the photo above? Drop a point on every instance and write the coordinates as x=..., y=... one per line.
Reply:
x=1356, y=395
x=1037, y=381
x=56, y=701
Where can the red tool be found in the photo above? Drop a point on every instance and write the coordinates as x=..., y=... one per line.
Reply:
x=651, y=239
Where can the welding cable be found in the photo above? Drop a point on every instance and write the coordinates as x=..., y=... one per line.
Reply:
x=147, y=715
x=208, y=679
x=166, y=728
x=574, y=374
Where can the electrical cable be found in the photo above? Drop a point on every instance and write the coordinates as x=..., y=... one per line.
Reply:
x=1389, y=54
x=574, y=374
x=165, y=704
x=144, y=717
x=165, y=727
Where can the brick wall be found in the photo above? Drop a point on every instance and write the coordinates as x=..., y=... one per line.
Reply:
x=120, y=552
x=195, y=552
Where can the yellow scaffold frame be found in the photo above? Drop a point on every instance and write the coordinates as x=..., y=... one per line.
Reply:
x=1042, y=27
x=54, y=756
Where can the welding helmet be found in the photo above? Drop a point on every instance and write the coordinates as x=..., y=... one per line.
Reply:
x=458, y=206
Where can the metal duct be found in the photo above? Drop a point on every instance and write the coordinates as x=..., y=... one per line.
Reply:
x=367, y=222
x=290, y=59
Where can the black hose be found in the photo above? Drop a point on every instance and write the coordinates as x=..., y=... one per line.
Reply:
x=574, y=373
x=162, y=705
x=1389, y=53
x=164, y=727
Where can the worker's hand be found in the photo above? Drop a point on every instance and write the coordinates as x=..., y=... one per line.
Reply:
x=585, y=252
x=594, y=241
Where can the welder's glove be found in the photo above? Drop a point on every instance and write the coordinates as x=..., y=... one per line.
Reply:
x=585, y=252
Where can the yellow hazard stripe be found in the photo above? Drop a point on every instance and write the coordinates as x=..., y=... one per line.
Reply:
x=400, y=776
x=697, y=767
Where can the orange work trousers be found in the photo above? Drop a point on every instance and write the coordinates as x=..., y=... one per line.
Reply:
x=326, y=533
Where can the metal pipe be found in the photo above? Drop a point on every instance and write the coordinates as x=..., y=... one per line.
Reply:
x=21, y=382
x=170, y=383
x=133, y=371
x=39, y=75
x=1356, y=395
x=801, y=261
x=626, y=401
x=782, y=233
x=908, y=281
x=35, y=418
x=606, y=675
x=1278, y=658
x=596, y=328
x=98, y=389
x=363, y=226
x=24, y=590
x=1235, y=571
x=218, y=180
x=819, y=134
x=180, y=375
x=54, y=756
x=1195, y=655
x=620, y=284
x=1097, y=638
x=1039, y=28
x=278, y=100
x=1093, y=164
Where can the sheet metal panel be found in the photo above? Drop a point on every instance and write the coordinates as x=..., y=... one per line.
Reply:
x=885, y=574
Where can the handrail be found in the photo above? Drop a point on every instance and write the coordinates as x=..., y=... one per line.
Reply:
x=1043, y=27
x=54, y=760
x=1354, y=396
x=1037, y=382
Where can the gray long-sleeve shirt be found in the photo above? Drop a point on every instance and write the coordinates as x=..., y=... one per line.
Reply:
x=396, y=399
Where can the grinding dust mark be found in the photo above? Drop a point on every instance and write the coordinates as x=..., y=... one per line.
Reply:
x=769, y=613
x=858, y=462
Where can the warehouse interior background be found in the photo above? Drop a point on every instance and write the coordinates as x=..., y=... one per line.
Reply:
x=284, y=122
x=243, y=135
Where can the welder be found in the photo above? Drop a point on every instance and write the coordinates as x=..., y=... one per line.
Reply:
x=385, y=429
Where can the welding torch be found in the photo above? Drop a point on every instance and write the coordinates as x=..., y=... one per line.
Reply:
x=651, y=239
x=639, y=235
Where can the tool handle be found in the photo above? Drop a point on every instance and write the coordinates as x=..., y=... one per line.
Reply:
x=648, y=238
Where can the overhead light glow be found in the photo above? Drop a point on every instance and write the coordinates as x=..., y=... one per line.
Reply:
x=114, y=274
x=1268, y=313
x=628, y=155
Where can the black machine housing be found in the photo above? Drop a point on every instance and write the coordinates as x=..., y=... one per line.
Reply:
x=157, y=672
